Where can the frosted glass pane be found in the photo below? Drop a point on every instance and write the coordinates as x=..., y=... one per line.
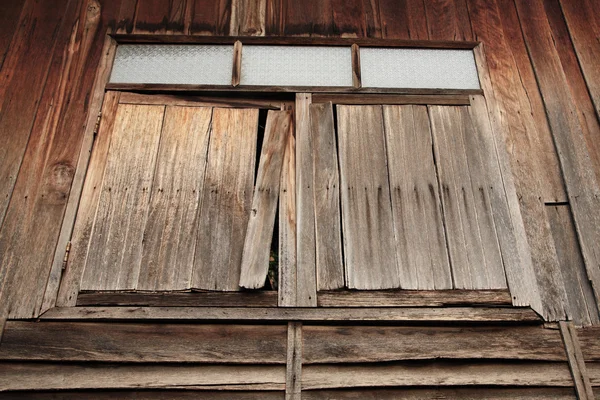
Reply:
x=296, y=66
x=418, y=68
x=173, y=64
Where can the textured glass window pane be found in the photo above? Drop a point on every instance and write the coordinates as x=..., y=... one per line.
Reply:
x=173, y=64
x=296, y=66
x=418, y=68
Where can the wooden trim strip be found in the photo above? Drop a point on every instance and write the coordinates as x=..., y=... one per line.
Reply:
x=203, y=101
x=412, y=298
x=356, y=73
x=583, y=387
x=237, y=63
x=160, y=87
x=391, y=99
x=293, y=376
x=261, y=298
x=102, y=77
x=296, y=41
x=456, y=315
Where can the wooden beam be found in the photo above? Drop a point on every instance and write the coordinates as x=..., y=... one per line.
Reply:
x=237, y=64
x=293, y=376
x=389, y=99
x=468, y=393
x=201, y=101
x=579, y=373
x=262, y=298
x=458, y=315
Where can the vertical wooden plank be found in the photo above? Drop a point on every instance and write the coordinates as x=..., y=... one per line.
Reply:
x=226, y=199
x=326, y=189
x=448, y=20
x=307, y=18
x=373, y=18
x=582, y=187
x=88, y=204
x=237, y=63
x=248, y=17
x=287, y=227
x=305, y=213
x=368, y=231
x=349, y=18
x=210, y=17
x=356, y=74
x=170, y=233
x=10, y=12
x=584, y=26
x=510, y=114
x=293, y=375
x=72, y=277
x=115, y=249
x=583, y=387
x=274, y=17
x=503, y=197
x=126, y=16
x=152, y=16
x=403, y=19
x=255, y=257
x=416, y=207
x=570, y=64
x=176, y=19
x=581, y=306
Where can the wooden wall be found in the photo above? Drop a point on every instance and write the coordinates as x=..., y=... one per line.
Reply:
x=542, y=56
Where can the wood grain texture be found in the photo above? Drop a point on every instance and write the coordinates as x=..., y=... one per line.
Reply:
x=171, y=229
x=404, y=19
x=358, y=344
x=510, y=121
x=580, y=179
x=367, y=99
x=288, y=273
x=126, y=16
x=310, y=18
x=152, y=16
x=88, y=204
x=576, y=361
x=257, y=243
x=226, y=199
x=209, y=17
x=293, y=375
x=237, y=63
x=306, y=286
x=402, y=314
x=160, y=394
x=30, y=376
x=248, y=18
x=436, y=374
x=199, y=101
x=10, y=13
x=448, y=20
x=368, y=231
x=590, y=345
x=326, y=190
x=115, y=248
x=263, y=298
x=581, y=304
x=131, y=342
x=72, y=278
x=416, y=205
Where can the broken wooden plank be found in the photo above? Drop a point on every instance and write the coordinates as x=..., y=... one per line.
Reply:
x=576, y=361
x=370, y=259
x=293, y=378
x=226, y=200
x=436, y=374
x=115, y=247
x=141, y=342
x=257, y=243
x=326, y=190
x=36, y=376
x=170, y=232
x=306, y=287
x=416, y=206
x=361, y=344
x=455, y=315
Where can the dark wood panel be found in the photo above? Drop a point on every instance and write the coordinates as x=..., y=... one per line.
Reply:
x=136, y=342
x=126, y=16
x=441, y=394
x=193, y=299
x=358, y=344
x=364, y=99
x=155, y=16
x=306, y=18
x=416, y=298
x=10, y=11
x=448, y=20
x=180, y=394
x=403, y=19
x=589, y=339
x=209, y=17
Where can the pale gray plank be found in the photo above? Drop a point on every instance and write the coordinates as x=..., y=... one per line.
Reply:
x=257, y=243
x=226, y=199
x=416, y=204
x=326, y=189
x=170, y=234
x=369, y=249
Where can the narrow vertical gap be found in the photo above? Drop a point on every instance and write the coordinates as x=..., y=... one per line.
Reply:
x=441, y=197
x=272, y=278
x=342, y=239
x=262, y=123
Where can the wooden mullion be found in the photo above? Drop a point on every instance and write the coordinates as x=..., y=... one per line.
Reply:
x=237, y=63
x=293, y=376
x=581, y=378
x=356, y=72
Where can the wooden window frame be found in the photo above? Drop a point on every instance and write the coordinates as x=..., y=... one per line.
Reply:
x=349, y=95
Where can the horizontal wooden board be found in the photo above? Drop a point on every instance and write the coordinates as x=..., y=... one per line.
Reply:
x=456, y=100
x=38, y=376
x=593, y=370
x=354, y=344
x=157, y=394
x=387, y=315
x=589, y=339
x=263, y=298
x=474, y=393
x=436, y=374
x=199, y=101
x=408, y=298
x=137, y=342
